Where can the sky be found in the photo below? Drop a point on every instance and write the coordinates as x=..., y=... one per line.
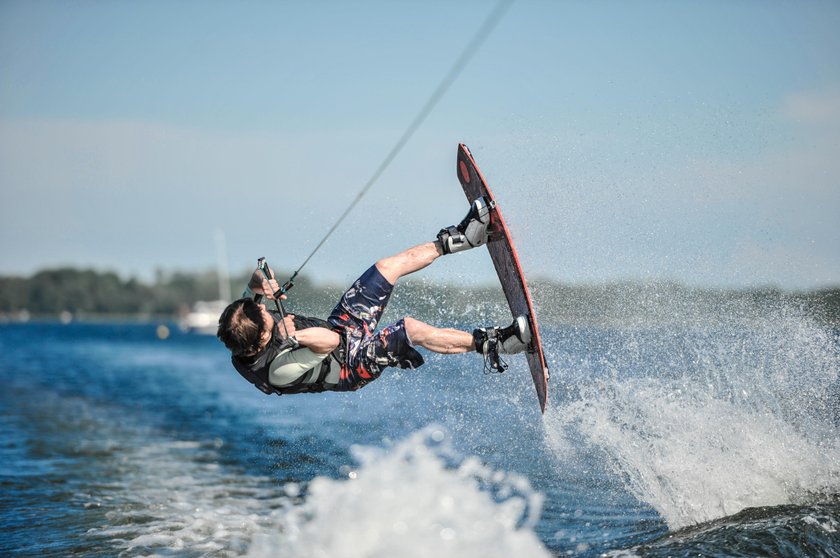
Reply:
x=696, y=142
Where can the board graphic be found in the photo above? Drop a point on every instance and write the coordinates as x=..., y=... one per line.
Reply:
x=507, y=267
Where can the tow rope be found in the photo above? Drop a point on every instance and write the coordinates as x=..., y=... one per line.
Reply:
x=460, y=63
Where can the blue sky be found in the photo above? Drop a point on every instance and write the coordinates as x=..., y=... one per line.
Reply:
x=687, y=141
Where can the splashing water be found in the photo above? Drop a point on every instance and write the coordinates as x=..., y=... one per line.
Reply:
x=416, y=499
x=737, y=415
x=173, y=496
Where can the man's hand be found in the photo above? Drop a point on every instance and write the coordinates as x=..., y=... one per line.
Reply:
x=260, y=285
x=287, y=328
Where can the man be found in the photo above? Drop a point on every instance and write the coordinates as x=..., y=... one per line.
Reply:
x=292, y=354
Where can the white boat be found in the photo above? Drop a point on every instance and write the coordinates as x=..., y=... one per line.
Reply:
x=203, y=317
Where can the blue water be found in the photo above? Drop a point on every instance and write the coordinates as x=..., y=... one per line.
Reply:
x=713, y=440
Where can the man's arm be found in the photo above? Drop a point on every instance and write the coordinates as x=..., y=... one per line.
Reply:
x=319, y=340
x=290, y=365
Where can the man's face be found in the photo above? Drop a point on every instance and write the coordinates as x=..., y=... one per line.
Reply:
x=268, y=327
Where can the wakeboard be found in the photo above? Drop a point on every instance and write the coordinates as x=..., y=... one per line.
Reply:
x=506, y=262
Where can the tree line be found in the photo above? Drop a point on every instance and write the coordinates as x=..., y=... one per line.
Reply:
x=87, y=292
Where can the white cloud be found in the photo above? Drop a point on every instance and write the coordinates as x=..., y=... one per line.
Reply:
x=814, y=108
x=136, y=195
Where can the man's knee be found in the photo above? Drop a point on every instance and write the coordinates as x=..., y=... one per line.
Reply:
x=390, y=269
x=413, y=328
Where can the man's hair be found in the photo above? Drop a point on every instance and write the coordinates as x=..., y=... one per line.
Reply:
x=240, y=327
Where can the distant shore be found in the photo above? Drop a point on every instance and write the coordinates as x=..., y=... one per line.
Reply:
x=69, y=294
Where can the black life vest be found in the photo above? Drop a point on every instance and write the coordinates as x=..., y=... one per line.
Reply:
x=255, y=368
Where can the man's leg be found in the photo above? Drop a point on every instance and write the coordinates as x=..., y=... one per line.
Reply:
x=439, y=340
x=469, y=233
x=411, y=260
x=509, y=340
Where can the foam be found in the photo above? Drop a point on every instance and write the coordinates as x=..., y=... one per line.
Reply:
x=734, y=419
x=172, y=496
x=415, y=499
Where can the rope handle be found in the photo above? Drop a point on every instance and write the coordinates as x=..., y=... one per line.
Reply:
x=262, y=265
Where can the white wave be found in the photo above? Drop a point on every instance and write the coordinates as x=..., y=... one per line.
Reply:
x=411, y=501
x=752, y=423
x=172, y=496
x=415, y=499
x=827, y=524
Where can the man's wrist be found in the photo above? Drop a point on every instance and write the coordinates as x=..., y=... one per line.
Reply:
x=290, y=342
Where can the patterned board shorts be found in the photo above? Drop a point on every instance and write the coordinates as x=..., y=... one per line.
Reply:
x=356, y=316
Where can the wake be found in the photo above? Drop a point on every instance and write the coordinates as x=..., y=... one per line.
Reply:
x=703, y=421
